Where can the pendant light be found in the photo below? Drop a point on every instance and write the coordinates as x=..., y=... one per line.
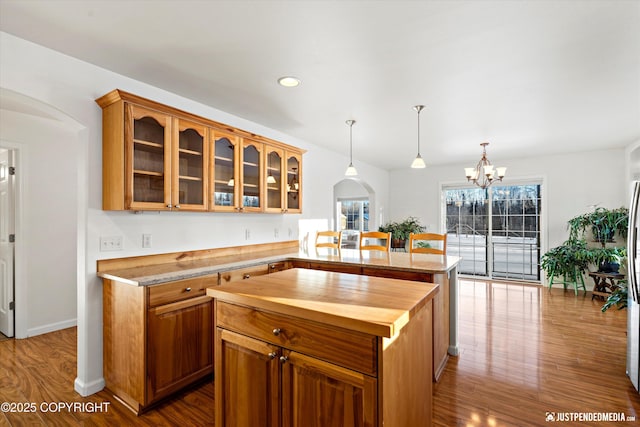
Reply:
x=418, y=163
x=270, y=178
x=351, y=170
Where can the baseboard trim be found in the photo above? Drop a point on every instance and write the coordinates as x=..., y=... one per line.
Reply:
x=87, y=389
x=45, y=329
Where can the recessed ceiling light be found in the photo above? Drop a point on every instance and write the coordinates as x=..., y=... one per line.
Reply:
x=288, y=81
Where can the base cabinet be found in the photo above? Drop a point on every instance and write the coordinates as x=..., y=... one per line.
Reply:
x=156, y=339
x=277, y=370
x=179, y=345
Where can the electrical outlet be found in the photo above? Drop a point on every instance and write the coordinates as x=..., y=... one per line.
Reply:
x=111, y=243
x=247, y=234
x=146, y=240
x=276, y=233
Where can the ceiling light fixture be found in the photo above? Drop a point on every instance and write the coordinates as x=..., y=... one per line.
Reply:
x=418, y=163
x=351, y=170
x=484, y=174
x=288, y=81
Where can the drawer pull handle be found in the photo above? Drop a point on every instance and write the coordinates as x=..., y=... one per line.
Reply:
x=246, y=276
x=272, y=355
x=277, y=331
x=283, y=359
x=187, y=289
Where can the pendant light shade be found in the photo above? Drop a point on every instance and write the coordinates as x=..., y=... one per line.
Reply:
x=351, y=170
x=418, y=162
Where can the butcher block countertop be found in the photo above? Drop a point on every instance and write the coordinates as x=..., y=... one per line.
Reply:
x=372, y=305
x=179, y=269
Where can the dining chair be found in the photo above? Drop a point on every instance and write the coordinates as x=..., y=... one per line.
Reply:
x=379, y=235
x=441, y=240
x=335, y=239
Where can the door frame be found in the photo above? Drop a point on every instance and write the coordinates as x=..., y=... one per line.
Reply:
x=521, y=180
x=20, y=312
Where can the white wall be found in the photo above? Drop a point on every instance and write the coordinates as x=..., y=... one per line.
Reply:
x=71, y=86
x=46, y=151
x=571, y=183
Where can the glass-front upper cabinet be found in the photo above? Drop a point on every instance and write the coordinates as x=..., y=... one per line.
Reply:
x=190, y=164
x=251, y=176
x=225, y=172
x=148, y=170
x=274, y=179
x=294, y=183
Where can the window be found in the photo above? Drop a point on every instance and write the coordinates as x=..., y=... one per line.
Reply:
x=496, y=231
x=353, y=214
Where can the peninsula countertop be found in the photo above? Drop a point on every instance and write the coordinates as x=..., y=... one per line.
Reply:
x=365, y=304
x=179, y=270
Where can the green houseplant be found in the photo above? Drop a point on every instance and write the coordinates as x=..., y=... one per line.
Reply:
x=617, y=297
x=573, y=258
x=400, y=230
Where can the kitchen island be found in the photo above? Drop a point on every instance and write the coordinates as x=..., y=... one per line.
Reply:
x=317, y=348
x=144, y=296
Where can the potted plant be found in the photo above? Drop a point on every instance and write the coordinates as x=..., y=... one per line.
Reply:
x=567, y=260
x=618, y=297
x=400, y=230
x=603, y=224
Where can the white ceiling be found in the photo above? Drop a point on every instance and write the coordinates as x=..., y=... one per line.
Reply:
x=530, y=77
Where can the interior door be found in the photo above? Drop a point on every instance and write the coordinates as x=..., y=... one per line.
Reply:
x=7, y=212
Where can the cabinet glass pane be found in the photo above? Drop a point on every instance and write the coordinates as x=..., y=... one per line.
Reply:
x=293, y=183
x=274, y=180
x=224, y=166
x=251, y=177
x=190, y=165
x=148, y=160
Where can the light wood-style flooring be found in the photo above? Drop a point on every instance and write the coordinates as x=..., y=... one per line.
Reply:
x=525, y=352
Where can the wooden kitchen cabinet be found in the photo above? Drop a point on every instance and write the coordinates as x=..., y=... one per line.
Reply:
x=152, y=160
x=251, y=179
x=155, y=157
x=262, y=384
x=256, y=270
x=290, y=351
x=225, y=172
x=157, y=339
x=293, y=187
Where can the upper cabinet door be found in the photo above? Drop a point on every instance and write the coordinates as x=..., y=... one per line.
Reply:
x=225, y=169
x=251, y=177
x=189, y=166
x=275, y=179
x=148, y=152
x=294, y=183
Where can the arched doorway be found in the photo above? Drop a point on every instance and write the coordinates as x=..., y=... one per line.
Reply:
x=354, y=209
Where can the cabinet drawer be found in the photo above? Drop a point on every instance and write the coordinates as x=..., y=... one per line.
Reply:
x=279, y=266
x=180, y=290
x=346, y=348
x=243, y=273
x=338, y=268
x=398, y=274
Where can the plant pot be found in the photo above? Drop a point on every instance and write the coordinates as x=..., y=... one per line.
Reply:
x=609, y=267
x=398, y=243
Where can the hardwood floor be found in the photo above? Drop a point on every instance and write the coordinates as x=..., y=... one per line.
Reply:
x=525, y=352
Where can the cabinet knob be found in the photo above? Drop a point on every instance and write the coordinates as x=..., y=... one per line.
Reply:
x=283, y=359
x=169, y=206
x=177, y=206
x=187, y=289
x=272, y=355
x=246, y=276
x=277, y=331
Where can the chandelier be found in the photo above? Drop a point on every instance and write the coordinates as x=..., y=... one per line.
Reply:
x=484, y=174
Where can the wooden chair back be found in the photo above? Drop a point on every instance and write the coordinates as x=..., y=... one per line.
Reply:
x=366, y=235
x=332, y=236
x=430, y=237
